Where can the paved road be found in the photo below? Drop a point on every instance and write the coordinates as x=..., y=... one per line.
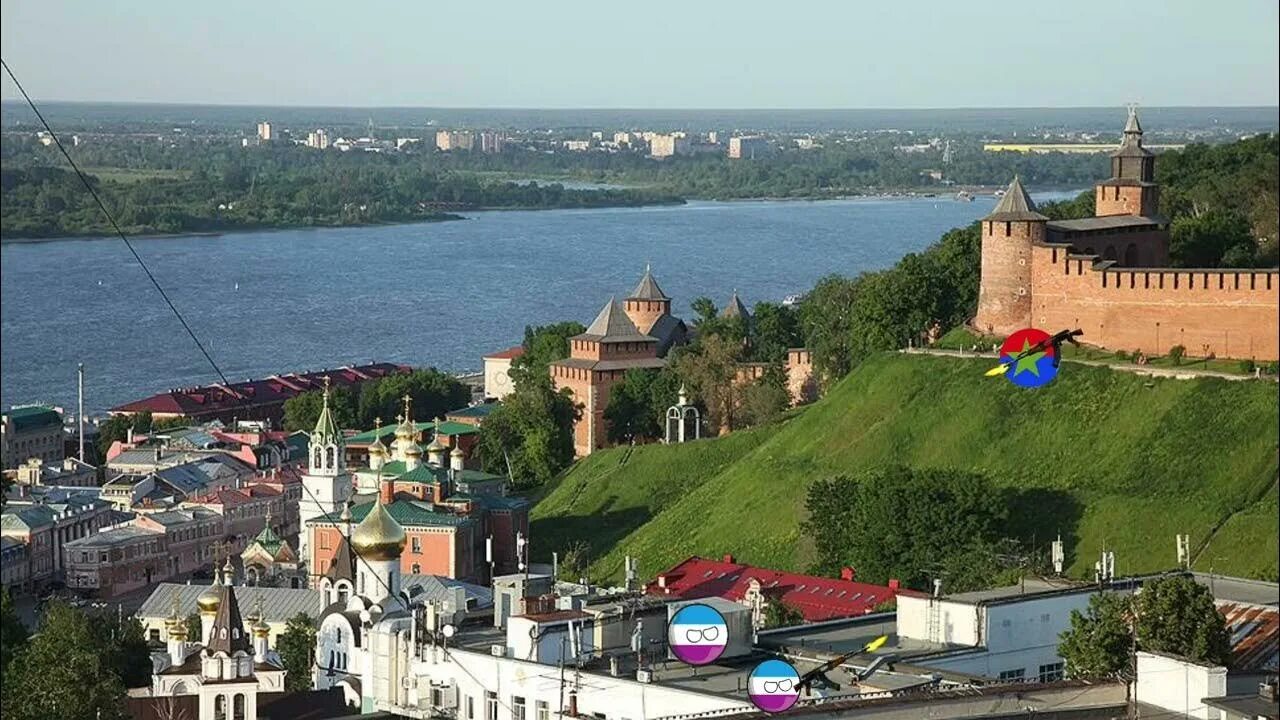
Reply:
x=1185, y=373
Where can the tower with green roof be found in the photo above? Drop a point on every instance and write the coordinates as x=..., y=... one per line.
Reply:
x=327, y=485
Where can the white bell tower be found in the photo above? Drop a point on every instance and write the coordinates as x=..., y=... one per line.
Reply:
x=327, y=486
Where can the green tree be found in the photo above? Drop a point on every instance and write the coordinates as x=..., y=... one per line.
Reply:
x=1098, y=643
x=1176, y=615
x=774, y=329
x=1216, y=238
x=432, y=392
x=911, y=524
x=631, y=413
x=13, y=634
x=764, y=399
x=532, y=431
x=826, y=325
x=709, y=369
x=123, y=644
x=543, y=345
x=297, y=648
x=62, y=673
x=302, y=411
x=779, y=614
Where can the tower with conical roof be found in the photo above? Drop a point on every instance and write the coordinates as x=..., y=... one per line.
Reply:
x=598, y=359
x=1004, y=296
x=1132, y=188
x=326, y=484
x=229, y=688
x=647, y=303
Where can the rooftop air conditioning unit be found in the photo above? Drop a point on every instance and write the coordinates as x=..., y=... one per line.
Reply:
x=644, y=676
x=498, y=650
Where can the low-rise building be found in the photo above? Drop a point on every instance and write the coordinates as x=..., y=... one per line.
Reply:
x=69, y=473
x=117, y=561
x=15, y=567
x=497, y=372
x=33, y=431
x=48, y=522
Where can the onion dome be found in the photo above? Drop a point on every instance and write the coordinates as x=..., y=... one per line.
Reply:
x=436, y=444
x=457, y=452
x=377, y=447
x=414, y=450
x=209, y=600
x=378, y=536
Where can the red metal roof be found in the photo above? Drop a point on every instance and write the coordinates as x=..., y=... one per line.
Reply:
x=508, y=354
x=816, y=598
x=273, y=390
x=1255, y=636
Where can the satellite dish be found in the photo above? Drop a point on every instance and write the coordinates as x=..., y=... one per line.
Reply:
x=448, y=631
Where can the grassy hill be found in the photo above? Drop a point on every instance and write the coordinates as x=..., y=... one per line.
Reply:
x=1102, y=457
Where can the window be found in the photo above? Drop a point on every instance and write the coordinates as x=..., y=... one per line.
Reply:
x=517, y=707
x=471, y=708
x=1014, y=675
x=417, y=544
x=1051, y=672
x=154, y=634
x=541, y=710
x=490, y=705
x=416, y=569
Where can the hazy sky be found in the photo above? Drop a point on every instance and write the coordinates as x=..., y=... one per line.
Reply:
x=649, y=53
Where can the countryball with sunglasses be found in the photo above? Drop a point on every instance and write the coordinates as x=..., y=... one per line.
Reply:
x=774, y=686
x=697, y=634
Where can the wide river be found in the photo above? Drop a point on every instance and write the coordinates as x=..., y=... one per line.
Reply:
x=441, y=294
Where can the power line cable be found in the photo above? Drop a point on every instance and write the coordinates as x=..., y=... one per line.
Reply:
x=186, y=326
x=111, y=219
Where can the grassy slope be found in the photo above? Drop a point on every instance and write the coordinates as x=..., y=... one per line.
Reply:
x=1102, y=457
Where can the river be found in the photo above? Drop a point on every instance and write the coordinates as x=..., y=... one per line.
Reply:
x=441, y=294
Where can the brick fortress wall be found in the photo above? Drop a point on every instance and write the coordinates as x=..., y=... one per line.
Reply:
x=1230, y=313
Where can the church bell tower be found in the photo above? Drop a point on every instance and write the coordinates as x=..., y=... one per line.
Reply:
x=327, y=486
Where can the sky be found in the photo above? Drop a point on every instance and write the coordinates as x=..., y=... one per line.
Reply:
x=648, y=54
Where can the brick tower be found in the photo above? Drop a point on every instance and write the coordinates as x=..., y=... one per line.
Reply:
x=647, y=303
x=1131, y=189
x=1004, y=297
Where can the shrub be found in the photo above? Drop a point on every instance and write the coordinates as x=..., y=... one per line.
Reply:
x=1122, y=355
x=1247, y=366
x=1176, y=354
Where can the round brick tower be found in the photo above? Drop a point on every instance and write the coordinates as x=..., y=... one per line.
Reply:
x=1004, y=296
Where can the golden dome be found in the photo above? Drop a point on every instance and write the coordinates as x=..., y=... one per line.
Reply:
x=377, y=448
x=404, y=431
x=413, y=450
x=457, y=452
x=211, y=598
x=378, y=536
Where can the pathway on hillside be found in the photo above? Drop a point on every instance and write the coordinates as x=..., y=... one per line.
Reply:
x=1182, y=373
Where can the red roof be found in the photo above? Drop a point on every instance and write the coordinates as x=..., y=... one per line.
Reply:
x=1255, y=636
x=816, y=598
x=509, y=354
x=273, y=390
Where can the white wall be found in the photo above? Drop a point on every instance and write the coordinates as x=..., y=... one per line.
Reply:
x=497, y=378
x=1179, y=686
x=472, y=674
x=551, y=640
x=957, y=622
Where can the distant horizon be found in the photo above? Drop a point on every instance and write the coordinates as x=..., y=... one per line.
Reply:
x=622, y=108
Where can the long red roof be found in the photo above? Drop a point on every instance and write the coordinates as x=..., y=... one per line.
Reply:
x=273, y=390
x=815, y=598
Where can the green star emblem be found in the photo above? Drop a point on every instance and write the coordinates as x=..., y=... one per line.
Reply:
x=1028, y=361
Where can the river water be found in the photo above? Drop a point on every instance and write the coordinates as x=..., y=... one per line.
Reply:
x=441, y=294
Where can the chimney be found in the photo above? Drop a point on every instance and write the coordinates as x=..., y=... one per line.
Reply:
x=573, y=703
x=386, y=492
x=728, y=559
x=847, y=573
x=894, y=584
x=128, y=436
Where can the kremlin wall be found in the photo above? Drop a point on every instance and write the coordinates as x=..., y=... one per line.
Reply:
x=1108, y=275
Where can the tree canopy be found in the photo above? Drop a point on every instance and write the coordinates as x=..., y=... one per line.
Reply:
x=297, y=648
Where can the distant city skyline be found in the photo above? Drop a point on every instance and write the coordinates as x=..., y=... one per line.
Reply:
x=664, y=54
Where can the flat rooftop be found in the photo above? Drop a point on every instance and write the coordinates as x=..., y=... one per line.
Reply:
x=1240, y=590
x=1106, y=222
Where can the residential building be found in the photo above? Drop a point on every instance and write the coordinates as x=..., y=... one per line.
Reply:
x=577, y=145
x=318, y=139
x=491, y=142
x=69, y=473
x=15, y=566
x=117, y=561
x=497, y=372
x=32, y=431
x=661, y=146
x=448, y=140
x=244, y=512
x=261, y=400
x=816, y=599
x=46, y=524
x=265, y=133
x=742, y=147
